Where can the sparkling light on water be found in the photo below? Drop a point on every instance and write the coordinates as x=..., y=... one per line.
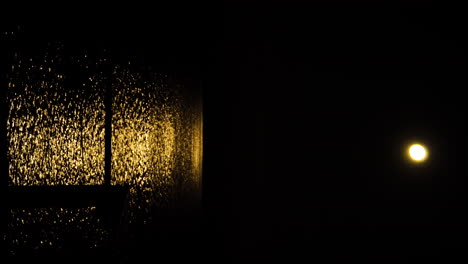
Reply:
x=52, y=228
x=56, y=134
x=156, y=140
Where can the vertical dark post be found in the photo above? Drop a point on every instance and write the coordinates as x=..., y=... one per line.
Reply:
x=108, y=132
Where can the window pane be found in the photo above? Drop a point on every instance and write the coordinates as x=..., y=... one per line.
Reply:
x=56, y=129
x=156, y=141
x=56, y=121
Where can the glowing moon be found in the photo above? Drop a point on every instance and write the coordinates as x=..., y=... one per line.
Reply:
x=417, y=152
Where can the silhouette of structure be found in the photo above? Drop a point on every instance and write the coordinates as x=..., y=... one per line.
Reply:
x=93, y=148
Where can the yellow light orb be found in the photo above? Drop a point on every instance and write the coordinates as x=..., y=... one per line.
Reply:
x=417, y=152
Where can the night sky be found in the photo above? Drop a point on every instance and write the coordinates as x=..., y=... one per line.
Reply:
x=307, y=114
x=324, y=101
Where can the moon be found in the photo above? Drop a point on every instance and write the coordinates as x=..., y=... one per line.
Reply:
x=417, y=152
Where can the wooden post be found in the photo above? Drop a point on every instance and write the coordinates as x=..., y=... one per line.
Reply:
x=108, y=131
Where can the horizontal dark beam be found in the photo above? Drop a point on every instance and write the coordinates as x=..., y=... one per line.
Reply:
x=65, y=196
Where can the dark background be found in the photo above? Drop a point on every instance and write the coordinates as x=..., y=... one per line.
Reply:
x=323, y=103
x=306, y=114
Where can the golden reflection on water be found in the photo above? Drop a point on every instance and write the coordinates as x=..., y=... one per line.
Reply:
x=44, y=228
x=55, y=135
x=143, y=138
x=56, y=130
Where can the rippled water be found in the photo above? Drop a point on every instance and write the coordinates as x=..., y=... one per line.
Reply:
x=56, y=133
x=56, y=228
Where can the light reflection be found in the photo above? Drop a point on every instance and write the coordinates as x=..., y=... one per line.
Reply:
x=45, y=228
x=56, y=131
x=144, y=140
